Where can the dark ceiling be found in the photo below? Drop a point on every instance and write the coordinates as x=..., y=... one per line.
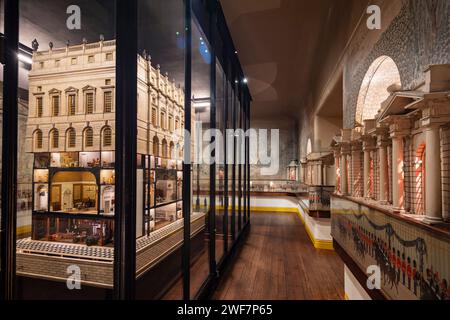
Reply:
x=284, y=44
x=160, y=33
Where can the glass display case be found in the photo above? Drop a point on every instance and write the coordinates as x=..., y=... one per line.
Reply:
x=67, y=167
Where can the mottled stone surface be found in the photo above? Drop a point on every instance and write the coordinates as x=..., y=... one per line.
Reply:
x=417, y=37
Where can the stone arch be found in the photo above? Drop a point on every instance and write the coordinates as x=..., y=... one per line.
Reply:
x=71, y=138
x=381, y=79
x=54, y=138
x=156, y=146
x=107, y=141
x=165, y=148
x=172, y=154
x=88, y=138
x=37, y=139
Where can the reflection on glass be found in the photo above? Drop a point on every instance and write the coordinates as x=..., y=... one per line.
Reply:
x=165, y=186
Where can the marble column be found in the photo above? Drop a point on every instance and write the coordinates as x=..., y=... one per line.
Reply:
x=367, y=173
x=344, y=174
x=433, y=182
x=356, y=175
x=384, y=178
x=337, y=174
x=398, y=183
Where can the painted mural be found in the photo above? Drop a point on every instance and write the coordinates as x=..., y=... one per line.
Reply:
x=414, y=264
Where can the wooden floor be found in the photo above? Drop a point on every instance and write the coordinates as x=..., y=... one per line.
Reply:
x=278, y=262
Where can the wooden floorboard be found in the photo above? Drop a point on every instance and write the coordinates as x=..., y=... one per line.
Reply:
x=278, y=262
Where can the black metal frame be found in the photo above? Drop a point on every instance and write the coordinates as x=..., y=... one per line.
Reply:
x=186, y=249
x=9, y=151
x=209, y=15
x=126, y=149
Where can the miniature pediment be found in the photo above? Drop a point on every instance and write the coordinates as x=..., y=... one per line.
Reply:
x=71, y=89
x=400, y=103
x=89, y=88
x=54, y=91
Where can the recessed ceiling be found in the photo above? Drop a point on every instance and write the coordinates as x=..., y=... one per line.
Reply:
x=282, y=45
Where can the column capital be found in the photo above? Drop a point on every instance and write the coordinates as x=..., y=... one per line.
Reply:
x=356, y=146
x=346, y=149
x=369, y=143
x=399, y=127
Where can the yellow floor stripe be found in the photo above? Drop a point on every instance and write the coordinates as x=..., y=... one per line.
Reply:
x=318, y=244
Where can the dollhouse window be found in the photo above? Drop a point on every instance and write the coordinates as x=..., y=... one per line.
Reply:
x=88, y=137
x=163, y=120
x=156, y=146
x=107, y=102
x=71, y=138
x=164, y=148
x=38, y=139
x=55, y=106
x=39, y=107
x=54, y=136
x=154, y=112
x=172, y=150
x=71, y=105
x=171, y=123
x=89, y=103
x=107, y=137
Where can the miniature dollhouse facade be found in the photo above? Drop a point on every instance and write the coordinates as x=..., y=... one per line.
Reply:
x=70, y=132
x=400, y=159
x=392, y=196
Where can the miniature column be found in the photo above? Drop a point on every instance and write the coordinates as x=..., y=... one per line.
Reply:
x=367, y=151
x=344, y=173
x=356, y=170
x=398, y=190
x=384, y=179
x=337, y=170
x=433, y=183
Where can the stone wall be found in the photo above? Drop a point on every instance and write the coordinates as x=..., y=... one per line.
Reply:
x=288, y=145
x=416, y=37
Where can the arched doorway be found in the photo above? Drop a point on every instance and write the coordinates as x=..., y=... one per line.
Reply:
x=381, y=79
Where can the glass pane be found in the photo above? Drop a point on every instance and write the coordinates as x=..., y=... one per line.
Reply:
x=66, y=133
x=220, y=168
x=201, y=110
x=230, y=162
x=2, y=17
x=160, y=140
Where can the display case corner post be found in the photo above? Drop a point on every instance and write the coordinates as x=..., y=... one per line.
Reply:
x=186, y=187
x=126, y=149
x=213, y=125
x=9, y=150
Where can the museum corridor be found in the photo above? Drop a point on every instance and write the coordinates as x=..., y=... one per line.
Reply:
x=276, y=263
x=225, y=150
